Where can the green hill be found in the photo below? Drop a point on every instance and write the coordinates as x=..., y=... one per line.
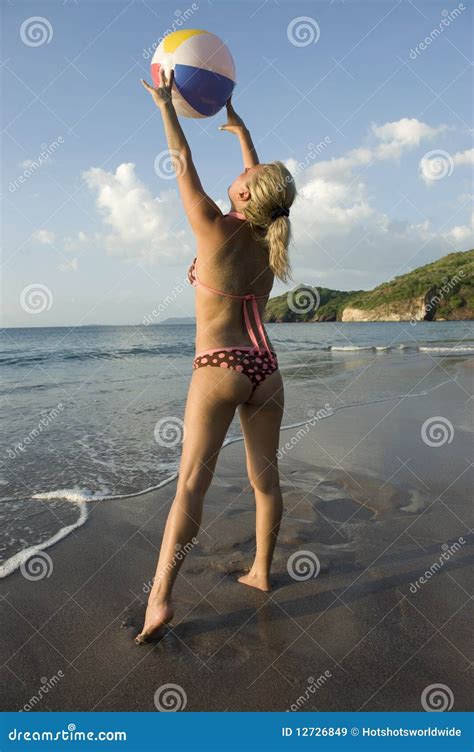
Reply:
x=441, y=290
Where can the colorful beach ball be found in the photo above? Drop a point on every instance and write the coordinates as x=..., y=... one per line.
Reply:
x=204, y=72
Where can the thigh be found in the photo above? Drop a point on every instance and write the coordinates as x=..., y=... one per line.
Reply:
x=261, y=421
x=210, y=407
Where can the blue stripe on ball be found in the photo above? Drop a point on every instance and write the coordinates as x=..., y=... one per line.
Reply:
x=206, y=91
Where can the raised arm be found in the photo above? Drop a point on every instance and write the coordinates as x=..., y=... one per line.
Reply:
x=236, y=125
x=199, y=207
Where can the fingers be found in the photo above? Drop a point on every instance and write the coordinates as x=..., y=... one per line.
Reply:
x=146, y=85
x=171, y=79
x=162, y=77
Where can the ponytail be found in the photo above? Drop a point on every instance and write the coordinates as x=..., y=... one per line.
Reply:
x=272, y=192
x=278, y=238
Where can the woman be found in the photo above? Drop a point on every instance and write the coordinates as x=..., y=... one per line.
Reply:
x=238, y=256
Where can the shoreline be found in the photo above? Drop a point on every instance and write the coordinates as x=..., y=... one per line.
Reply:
x=18, y=559
x=365, y=498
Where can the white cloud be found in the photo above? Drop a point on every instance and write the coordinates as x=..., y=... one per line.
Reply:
x=69, y=266
x=45, y=237
x=464, y=157
x=403, y=134
x=438, y=164
x=141, y=227
x=463, y=234
x=340, y=236
x=392, y=138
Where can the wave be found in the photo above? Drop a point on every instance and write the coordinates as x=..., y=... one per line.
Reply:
x=75, y=494
x=351, y=348
x=414, y=348
x=82, y=496
x=24, y=359
x=29, y=359
x=21, y=557
x=441, y=349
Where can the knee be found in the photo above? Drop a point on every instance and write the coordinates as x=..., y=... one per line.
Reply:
x=195, y=486
x=268, y=483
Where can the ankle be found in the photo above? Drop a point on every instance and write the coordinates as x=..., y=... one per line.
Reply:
x=159, y=597
x=259, y=571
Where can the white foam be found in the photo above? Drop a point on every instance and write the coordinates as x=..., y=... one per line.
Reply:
x=81, y=496
x=455, y=348
x=21, y=557
x=75, y=494
x=351, y=348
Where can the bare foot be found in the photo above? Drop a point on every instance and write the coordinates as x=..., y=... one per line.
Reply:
x=259, y=581
x=157, y=615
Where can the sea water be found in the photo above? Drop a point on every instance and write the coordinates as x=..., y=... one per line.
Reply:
x=90, y=413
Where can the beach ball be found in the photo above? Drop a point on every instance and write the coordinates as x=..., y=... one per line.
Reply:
x=204, y=72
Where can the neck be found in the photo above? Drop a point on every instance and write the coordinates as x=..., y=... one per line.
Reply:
x=236, y=214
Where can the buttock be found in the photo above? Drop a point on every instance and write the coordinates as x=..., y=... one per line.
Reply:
x=253, y=363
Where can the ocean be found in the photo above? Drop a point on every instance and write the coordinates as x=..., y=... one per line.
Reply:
x=91, y=413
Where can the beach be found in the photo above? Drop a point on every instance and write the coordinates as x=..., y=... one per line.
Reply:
x=370, y=606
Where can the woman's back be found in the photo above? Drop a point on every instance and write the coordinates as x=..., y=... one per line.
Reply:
x=233, y=261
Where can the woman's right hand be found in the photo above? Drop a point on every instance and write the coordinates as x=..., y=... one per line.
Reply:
x=234, y=124
x=162, y=94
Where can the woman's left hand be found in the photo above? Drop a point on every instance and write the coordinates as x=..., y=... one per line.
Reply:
x=234, y=124
x=162, y=94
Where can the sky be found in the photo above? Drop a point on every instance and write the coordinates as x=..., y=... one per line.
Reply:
x=368, y=103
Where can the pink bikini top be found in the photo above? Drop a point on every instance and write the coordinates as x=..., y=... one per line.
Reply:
x=248, y=301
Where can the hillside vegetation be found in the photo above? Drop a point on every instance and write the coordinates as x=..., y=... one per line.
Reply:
x=441, y=290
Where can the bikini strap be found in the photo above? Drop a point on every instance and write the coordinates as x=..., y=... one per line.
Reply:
x=258, y=320
x=221, y=292
x=249, y=298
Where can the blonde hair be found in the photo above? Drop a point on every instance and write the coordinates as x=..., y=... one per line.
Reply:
x=272, y=188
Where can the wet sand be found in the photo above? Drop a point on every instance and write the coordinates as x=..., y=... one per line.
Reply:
x=371, y=506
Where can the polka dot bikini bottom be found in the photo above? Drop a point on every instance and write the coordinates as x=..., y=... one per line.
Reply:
x=255, y=364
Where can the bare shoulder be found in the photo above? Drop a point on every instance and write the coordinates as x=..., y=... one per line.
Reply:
x=223, y=237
